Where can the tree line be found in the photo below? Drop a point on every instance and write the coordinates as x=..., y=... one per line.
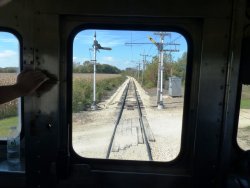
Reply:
x=8, y=70
x=87, y=67
x=149, y=76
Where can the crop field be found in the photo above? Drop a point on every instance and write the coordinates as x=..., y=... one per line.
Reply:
x=82, y=94
x=10, y=78
x=89, y=77
x=7, y=78
x=83, y=89
x=245, y=97
x=8, y=109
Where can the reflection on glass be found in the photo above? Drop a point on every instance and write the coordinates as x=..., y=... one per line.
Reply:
x=243, y=136
x=128, y=90
x=9, y=67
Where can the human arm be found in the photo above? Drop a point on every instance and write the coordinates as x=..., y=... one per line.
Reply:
x=8, y=93
x=27, y=83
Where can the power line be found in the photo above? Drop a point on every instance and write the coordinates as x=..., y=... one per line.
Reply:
x=160, y=47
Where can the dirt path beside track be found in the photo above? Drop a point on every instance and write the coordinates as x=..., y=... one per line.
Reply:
x=92, y=130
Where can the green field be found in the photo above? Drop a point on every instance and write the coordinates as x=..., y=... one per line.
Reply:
x=82, y=95
x=5, y=125
x=245, y=103
x=245, y=97
x=83, y=90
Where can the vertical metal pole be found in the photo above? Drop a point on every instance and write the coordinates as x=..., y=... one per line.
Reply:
x=143, y=67
x=94, y=76
x=94, y=98
x=143, y=64
x=158, y=81
x=96, y=47
x=160, y=105
x=139, y=71
x=161, y=89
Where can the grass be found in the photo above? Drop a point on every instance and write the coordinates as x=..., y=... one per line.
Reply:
x=245, y=97
x=83, y=90
x=245, y=103
x=5, y=125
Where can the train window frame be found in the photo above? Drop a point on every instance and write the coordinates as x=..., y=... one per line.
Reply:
x=237, y=120
x=189, y=73
x=20, y=99
x=243, y=80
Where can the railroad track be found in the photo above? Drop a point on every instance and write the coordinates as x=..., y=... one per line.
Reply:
x=131, y=128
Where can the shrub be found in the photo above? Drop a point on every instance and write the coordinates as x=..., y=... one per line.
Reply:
x=83, y=91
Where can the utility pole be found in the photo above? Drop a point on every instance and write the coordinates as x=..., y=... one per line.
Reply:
x=144, y=56
x=161, y=50
x=139, y=69
x=96, y=47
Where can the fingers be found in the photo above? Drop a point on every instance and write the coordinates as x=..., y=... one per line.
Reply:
x=32, y=75
x=38, y=75
x=28, y=81
x=38, y=78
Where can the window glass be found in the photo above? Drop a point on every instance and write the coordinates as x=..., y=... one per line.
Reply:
x=128, y=91
x=243, y=136
x=9, y=67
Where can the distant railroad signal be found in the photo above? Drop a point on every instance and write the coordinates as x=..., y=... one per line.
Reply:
x=160, y=47
x=96, y=47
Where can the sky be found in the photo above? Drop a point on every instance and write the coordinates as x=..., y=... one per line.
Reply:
x=122, y=55
x=9, y=50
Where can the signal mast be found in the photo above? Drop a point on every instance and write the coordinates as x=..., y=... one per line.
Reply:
x=161, y=51
x=96, y=47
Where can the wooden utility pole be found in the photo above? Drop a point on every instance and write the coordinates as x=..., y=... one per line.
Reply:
x=144, y=56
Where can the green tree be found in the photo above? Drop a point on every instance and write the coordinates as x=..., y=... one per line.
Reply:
x=151, y=73
x=87, y=67
x=179, y=68
x=171, y=68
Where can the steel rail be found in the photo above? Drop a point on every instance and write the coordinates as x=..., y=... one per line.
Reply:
x=118, y=119
x=142, y=125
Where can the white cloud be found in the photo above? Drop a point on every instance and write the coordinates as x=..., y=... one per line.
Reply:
x=9, y=58
x=80, y=59
x=108, y=59
x=7, y=53
x=108, y=40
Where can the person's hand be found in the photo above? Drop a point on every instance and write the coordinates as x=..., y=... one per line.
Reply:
x=29, y=80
